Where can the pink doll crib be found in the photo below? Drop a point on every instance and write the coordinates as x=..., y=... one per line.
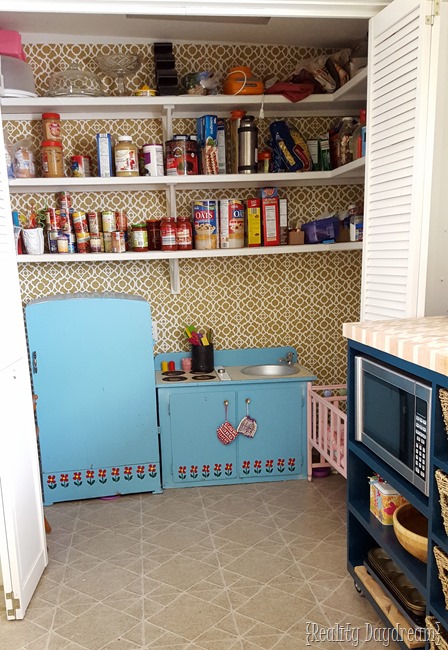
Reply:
x=326, y=428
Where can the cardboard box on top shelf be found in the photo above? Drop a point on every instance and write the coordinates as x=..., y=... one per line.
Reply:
x=296, y=237
x=344, y=232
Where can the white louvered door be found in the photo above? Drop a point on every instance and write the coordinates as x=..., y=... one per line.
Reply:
x=23, y=551
x=396, y=237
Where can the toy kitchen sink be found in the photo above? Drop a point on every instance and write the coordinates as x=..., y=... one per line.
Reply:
x=253, y=390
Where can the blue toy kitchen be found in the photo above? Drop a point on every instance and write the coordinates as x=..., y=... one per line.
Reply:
x=111, y=422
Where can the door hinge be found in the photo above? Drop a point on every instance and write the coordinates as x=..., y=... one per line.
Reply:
x=15, y=603
x=435, y=11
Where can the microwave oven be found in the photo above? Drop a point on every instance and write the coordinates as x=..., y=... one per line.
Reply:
x=392, y=418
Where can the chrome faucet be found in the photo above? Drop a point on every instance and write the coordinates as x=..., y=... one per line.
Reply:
x=288, y=359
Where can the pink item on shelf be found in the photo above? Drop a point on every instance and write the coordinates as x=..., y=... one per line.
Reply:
x=11, y=44
x=326, y=428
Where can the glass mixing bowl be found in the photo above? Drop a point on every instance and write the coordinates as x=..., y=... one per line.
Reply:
x=75, y=82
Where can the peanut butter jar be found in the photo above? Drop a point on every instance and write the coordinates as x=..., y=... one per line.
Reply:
x=52, y=159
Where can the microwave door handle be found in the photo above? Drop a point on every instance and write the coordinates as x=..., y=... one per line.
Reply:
x=405, y=441
x=402, y=448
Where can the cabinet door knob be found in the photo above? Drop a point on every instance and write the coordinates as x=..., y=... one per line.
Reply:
x=247, y=401
x=226, y=402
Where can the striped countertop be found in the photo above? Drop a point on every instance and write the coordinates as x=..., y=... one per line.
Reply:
x=423, y=341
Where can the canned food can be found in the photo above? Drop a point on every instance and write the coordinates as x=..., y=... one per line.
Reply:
x=153, y=160
x=108, y=219
x=66, y=221
x=71, y=237
x=80, y=222
x=121, y=221
x=95, y=243
x=205, y=224
x=53, y=219
x=52, y=237
x=118, y=242
x=62, y=242
x=181, y=157
x=231, y=223
x=80, y=166
x=94, y=222
x=107, y=242
x=83, y=242
x=65, y=201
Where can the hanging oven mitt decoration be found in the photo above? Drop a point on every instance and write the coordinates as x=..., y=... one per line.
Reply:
x=247, y=425
x=226, y=432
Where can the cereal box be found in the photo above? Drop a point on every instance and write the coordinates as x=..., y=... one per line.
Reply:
x=253, y=222
x=384, y=500
x=270, y=221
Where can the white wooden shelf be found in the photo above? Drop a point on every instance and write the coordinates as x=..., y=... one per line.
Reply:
x=350, y=97
x=353, y=173
x=192, y=254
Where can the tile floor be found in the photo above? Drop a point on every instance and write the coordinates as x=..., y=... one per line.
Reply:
x=219, y=568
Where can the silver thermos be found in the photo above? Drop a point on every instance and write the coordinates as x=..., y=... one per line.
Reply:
x=247, y=146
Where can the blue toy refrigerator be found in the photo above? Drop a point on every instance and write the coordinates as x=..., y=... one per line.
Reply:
x=93, y=373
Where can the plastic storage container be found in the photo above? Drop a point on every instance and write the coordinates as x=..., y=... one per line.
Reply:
x=321, y=230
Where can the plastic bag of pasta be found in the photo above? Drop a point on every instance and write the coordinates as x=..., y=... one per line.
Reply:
x=290, y=151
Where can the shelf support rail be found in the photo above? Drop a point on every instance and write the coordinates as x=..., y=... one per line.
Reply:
x=174, y=276
x=167, y=122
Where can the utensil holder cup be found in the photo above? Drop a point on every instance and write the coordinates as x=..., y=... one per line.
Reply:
x=202, y=358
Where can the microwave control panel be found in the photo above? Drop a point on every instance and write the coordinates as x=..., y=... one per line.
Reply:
x=420, y=438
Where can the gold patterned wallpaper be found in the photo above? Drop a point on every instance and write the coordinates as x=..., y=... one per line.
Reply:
x=291, y=299
x=265, y=61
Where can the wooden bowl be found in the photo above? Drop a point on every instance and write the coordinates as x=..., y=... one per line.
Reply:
x=411, y=529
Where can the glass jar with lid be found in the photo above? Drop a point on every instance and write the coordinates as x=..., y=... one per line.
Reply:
x=139, y=237
x=168, y=234
x=184, y=234
x=126, y=157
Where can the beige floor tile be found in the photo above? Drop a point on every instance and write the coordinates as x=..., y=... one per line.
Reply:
x=276, y=608
x=329, y=558
x=98, y=626
x=188, y=616
x=17, y=634
x=175, y=537
x=233, y=567
x=258, y=565
x=243, y=533
x=181, y=574
x=102, y=581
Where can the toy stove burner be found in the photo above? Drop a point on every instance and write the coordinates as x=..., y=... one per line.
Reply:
x=203, y=377
x=174, y=375
x=174, y=378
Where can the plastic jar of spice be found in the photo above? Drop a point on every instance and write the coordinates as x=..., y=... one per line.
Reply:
x=126, y=157
x=168, y=234
x=51, y=126
x=139, y=238
x=184, y=234
x=52, y=159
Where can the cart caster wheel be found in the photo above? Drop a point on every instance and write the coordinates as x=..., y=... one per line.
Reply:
x=358, y=588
